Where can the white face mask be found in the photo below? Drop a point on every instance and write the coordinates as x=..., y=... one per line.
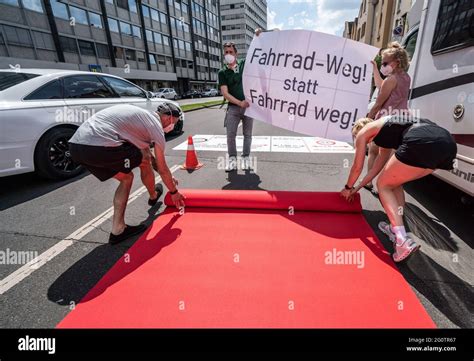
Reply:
x=229, y=58
x=169, y=128
x=386, y=70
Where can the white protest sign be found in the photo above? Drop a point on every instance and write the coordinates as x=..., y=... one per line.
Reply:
x=308, y=82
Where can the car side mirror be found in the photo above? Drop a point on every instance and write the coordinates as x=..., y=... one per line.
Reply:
x=149, y=94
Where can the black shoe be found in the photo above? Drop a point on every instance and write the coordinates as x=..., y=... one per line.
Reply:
x=128, y=232
x=159, y=191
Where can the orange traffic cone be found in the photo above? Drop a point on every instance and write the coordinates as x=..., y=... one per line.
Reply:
x=192, y=162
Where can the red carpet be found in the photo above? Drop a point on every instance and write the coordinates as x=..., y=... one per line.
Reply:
x=243, y=259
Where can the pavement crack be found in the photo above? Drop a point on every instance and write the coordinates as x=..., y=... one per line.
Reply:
x=55, y=238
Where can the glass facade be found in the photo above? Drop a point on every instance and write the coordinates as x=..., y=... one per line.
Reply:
x=178, y=42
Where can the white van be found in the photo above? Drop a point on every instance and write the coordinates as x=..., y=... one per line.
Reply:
x=441, y=44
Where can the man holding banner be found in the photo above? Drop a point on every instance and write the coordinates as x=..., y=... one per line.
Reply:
x=230, y=83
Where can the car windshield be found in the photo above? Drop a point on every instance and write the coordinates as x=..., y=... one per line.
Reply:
x=9, y=79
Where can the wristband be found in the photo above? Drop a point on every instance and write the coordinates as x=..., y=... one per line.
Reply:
x=173, y=193
x=348, y=188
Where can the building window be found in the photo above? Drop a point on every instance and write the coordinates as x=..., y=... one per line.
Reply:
x=152, y=59
x=34, y=5
x=140, y=56
x=130, y=54
x=59, y=10
x=146, y=11
x=137, y=32
x=157, y=38
x=95, y=20
x=122, y=4
x=166, y=40
x=86, y=48
x=125, y=28
x=163, y=18
x=43, y=40
x=154, y=15
x=113, y=25
x=17, y=36
x=79, y=15
x=10, y=2
x=68, y=44
x=110, y=1
x=132, y=5
x=119, y=52
x=102, y=51
x=149, y=36
x=161, y=60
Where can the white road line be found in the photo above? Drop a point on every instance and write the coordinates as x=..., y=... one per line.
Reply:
x=27, y=269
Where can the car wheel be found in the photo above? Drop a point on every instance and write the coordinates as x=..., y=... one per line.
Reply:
x=175, y=97
x=52, y=157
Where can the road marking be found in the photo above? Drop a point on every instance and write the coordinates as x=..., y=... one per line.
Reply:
x=274, y=144
x=27, y=269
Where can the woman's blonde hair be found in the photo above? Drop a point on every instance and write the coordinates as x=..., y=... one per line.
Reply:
x=396, y=52
x=359, y=124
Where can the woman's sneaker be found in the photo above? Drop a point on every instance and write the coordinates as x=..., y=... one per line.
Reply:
x=405, y=249
x=387, y=229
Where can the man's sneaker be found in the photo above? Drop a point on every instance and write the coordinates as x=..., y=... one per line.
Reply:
x=159, y=192
x=246, y=164
x=405, y=249
x=128, y=232
x=387, y=229
x=231, y=164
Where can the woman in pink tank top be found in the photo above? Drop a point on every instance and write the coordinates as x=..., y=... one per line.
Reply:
x=393, y=95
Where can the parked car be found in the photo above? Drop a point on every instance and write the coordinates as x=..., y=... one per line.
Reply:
x=166, y=93
x=192, y=94
x=210, y=93
x=40, y=109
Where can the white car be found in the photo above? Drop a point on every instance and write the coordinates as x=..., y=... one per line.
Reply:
x=210, y=93
x=166, y=93
x=40, y=109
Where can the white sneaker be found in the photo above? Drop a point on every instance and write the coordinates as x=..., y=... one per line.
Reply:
x=246, y=164
x=405, y=249
x=387, y=229
x=231, y=164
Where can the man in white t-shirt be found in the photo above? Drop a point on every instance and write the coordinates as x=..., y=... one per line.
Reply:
x=118, y=139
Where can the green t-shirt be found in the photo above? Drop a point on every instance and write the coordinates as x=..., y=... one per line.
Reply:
x=233, y=79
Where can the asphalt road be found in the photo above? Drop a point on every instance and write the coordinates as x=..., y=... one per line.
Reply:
x=36, y=214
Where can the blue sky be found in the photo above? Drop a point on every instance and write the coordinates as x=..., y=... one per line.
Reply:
x=327, y=16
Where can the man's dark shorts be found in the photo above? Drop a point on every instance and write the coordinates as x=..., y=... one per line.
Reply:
x=106, y=162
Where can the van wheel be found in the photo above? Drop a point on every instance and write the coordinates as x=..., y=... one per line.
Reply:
x=52, y=157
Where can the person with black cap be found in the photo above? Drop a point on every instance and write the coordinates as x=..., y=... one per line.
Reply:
x=114, y=141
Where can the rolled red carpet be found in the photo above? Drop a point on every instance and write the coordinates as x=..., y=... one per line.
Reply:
x=246, y=259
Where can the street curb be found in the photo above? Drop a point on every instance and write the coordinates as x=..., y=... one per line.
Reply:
x=205, y=107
